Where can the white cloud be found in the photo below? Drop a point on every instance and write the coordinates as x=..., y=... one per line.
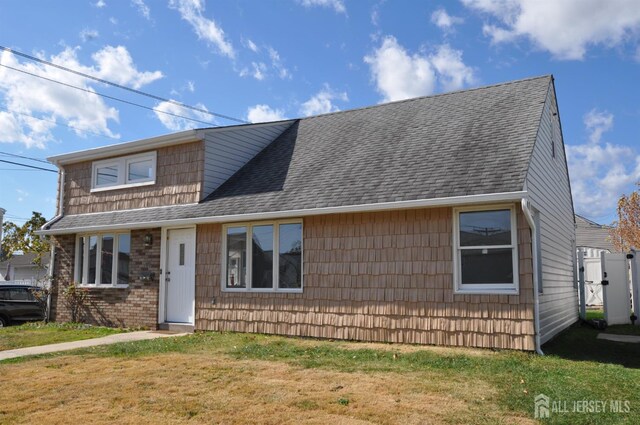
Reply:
x=206, y=29
x=597, y=123
x=453, y=73
x=600, y=171
x=322, y=102
x=174, y=123
x=87, y=35
x=276, y=63
x=444, y=21
x=115, y=64
x=24, y=95
x=399, y=75
x=337, y=5
x=251, y=45
x=375, y=16
x=191, y=86
x=264, y=113
x=258, y=71
x=100, y=4
x=564, y=28
x=143, y=9
x=17, y=128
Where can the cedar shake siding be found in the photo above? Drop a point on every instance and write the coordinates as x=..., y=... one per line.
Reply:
x=135, y=306
x=383, y=276
x=179, y=175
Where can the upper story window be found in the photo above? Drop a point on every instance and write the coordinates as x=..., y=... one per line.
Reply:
x=264, y=256
x=126, y=171
x=485, y=250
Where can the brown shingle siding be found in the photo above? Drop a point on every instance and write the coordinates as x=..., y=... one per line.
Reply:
x=179, y=173
x=372, y=276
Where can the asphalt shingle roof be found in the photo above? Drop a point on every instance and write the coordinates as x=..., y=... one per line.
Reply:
x=469, y=142
x=592, y=235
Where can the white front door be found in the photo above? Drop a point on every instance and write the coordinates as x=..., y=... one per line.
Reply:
x=180, y=276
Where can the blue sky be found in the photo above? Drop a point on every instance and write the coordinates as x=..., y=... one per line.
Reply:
x=265, y=60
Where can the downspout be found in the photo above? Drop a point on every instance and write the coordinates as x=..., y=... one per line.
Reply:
x=536, y=289
x=61, y=185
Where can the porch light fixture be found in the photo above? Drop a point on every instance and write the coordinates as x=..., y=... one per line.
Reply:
x=148, y=240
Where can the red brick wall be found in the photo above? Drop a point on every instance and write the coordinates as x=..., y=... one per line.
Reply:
x=135, y=306
x=373, y=276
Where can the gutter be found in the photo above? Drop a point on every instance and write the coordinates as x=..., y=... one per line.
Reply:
x=272, y=215
x=536, y=290
x=60, y=214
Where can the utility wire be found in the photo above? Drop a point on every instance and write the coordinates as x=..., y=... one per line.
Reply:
x=17, y=169
x=107, y=96
x=15, y=217
x=95, y=133
x=28, y=166
x=153, y=96
x=24, y=157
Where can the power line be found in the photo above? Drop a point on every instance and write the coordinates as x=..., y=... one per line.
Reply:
x=24, y=157
x=15, y=217
x=28, y=166
x=106, y=96
x=95, y=133
x=16, y=169
x=153, y=96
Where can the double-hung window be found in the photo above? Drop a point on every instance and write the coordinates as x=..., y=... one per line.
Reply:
x=103, y=259
x=127, y=171
x=264, y=256
x=485, y=250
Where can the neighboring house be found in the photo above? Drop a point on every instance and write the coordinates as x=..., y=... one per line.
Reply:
x=21, y=267
x=404, y=222
x=592, y=239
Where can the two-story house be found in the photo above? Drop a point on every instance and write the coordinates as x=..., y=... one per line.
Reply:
x=444, y=219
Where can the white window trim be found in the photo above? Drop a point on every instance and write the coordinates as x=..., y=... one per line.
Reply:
x=276, y=258
x=84, y=258
x=489, y=288
x=122, y=164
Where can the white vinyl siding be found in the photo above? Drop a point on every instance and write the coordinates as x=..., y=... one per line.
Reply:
x=228, y=151
x=550, y=194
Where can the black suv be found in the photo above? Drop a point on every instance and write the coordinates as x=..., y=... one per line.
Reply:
x=18, y=304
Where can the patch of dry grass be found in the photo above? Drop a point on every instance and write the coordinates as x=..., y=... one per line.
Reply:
x=195, y=388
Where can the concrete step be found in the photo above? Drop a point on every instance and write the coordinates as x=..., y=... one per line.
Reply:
x=176, y=327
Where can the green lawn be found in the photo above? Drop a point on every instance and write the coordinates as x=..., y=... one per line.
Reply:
x=39, y=333
x=616, y=329
x=292, y=378
x=594, y=314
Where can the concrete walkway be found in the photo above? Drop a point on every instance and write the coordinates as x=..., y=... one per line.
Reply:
x=617, y=338
x=65, y=346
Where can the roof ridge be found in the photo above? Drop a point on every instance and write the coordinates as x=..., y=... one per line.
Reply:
x=413, y=99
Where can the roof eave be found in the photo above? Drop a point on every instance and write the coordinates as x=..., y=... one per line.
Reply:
x=117, y=149
x=126, y=148
x=383, y=206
